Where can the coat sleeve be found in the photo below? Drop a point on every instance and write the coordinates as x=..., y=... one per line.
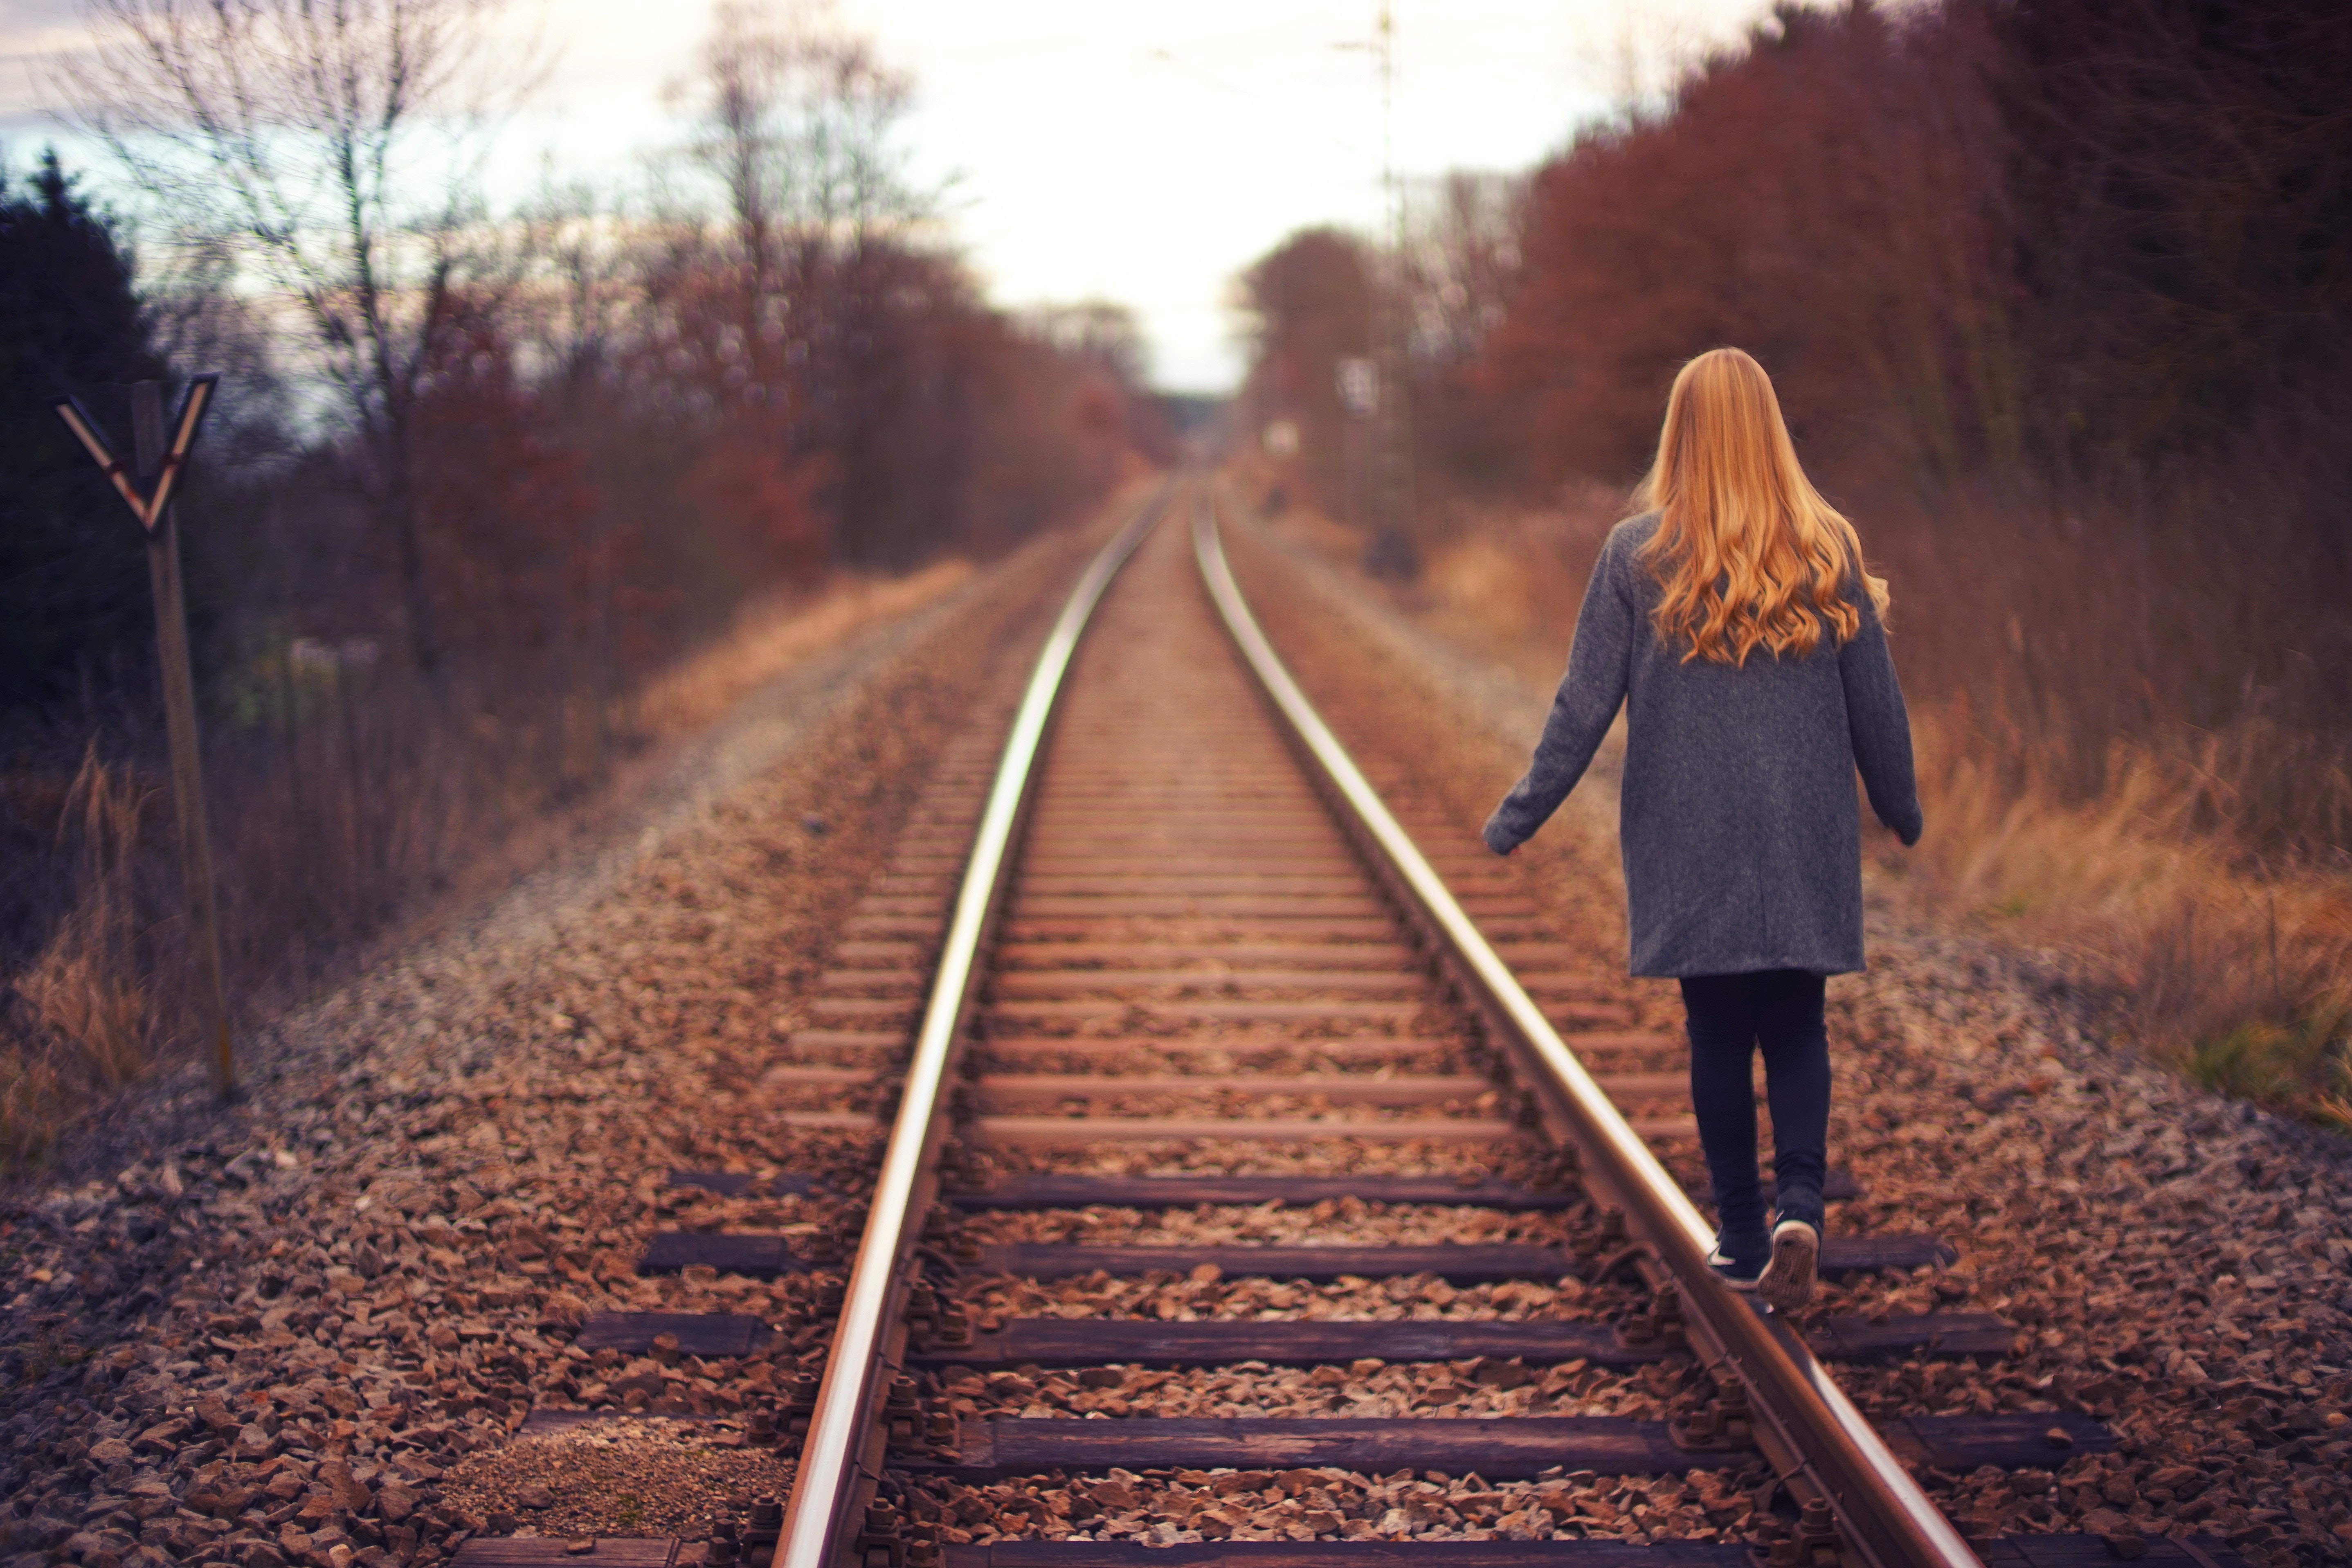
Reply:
x=1599, y=664
x=1880, y=726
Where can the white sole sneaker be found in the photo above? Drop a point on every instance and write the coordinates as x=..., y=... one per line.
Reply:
x=1729, y=1272
x=1787, y=1282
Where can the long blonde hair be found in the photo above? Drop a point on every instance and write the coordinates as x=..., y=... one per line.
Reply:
x=1747, y=553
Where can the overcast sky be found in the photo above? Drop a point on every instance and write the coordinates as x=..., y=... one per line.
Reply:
x=1143, y=151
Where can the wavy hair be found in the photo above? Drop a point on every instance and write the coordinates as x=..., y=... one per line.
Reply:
x=1747, y=553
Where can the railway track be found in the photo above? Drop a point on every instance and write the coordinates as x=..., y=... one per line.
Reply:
x=1268, y=1178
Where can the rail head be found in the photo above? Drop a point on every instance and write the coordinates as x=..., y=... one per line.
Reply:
x=831, y=1456
x=1888, y=1519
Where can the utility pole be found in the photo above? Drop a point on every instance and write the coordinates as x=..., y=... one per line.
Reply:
x=158, y=464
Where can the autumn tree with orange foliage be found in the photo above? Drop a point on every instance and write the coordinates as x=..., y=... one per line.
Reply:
x=513, y=566
x=1829, y=198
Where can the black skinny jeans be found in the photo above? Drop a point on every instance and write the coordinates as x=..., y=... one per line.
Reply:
x=1731, y=1015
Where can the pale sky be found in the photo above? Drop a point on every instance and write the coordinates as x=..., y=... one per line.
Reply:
x=1141, y=151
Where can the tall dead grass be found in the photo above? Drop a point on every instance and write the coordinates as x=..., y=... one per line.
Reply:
x=2243, y=976
x=94, y=1024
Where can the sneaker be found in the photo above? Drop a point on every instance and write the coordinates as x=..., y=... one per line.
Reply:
x=1740, y=1274
x=1787, y=1282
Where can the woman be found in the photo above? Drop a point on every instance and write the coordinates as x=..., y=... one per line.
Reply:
x=1733, y=619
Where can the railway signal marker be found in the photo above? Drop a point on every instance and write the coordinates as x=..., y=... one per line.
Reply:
x=147, y=484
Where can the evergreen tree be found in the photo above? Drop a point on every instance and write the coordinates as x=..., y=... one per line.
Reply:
x=73, y=573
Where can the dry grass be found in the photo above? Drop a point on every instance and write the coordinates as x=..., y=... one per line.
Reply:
x=35, y=1102
x=771, y=636
x=2242, y=978
x=93, y=1013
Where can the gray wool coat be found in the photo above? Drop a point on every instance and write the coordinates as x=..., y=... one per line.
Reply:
x=1738, y=825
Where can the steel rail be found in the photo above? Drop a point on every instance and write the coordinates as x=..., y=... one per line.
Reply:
x=839, y=1425
x=1808, y=1424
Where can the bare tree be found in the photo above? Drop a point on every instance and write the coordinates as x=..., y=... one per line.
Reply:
x=796, y=119
x=577, y=275
x=327, y=151
x=1461, y=261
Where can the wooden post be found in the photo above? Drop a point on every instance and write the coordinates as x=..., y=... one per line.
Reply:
x=180, y=724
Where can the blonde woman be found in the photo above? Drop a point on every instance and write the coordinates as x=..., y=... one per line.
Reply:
x=1734, y=620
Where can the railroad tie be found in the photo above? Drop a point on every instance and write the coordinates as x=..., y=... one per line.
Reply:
x=1518, y=1447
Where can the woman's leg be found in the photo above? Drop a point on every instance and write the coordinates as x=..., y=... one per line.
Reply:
x=1796, y=1045
x=1722, y=1016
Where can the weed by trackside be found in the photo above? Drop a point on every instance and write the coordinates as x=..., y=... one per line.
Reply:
x=2291, y=1065
x=44, y=1354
